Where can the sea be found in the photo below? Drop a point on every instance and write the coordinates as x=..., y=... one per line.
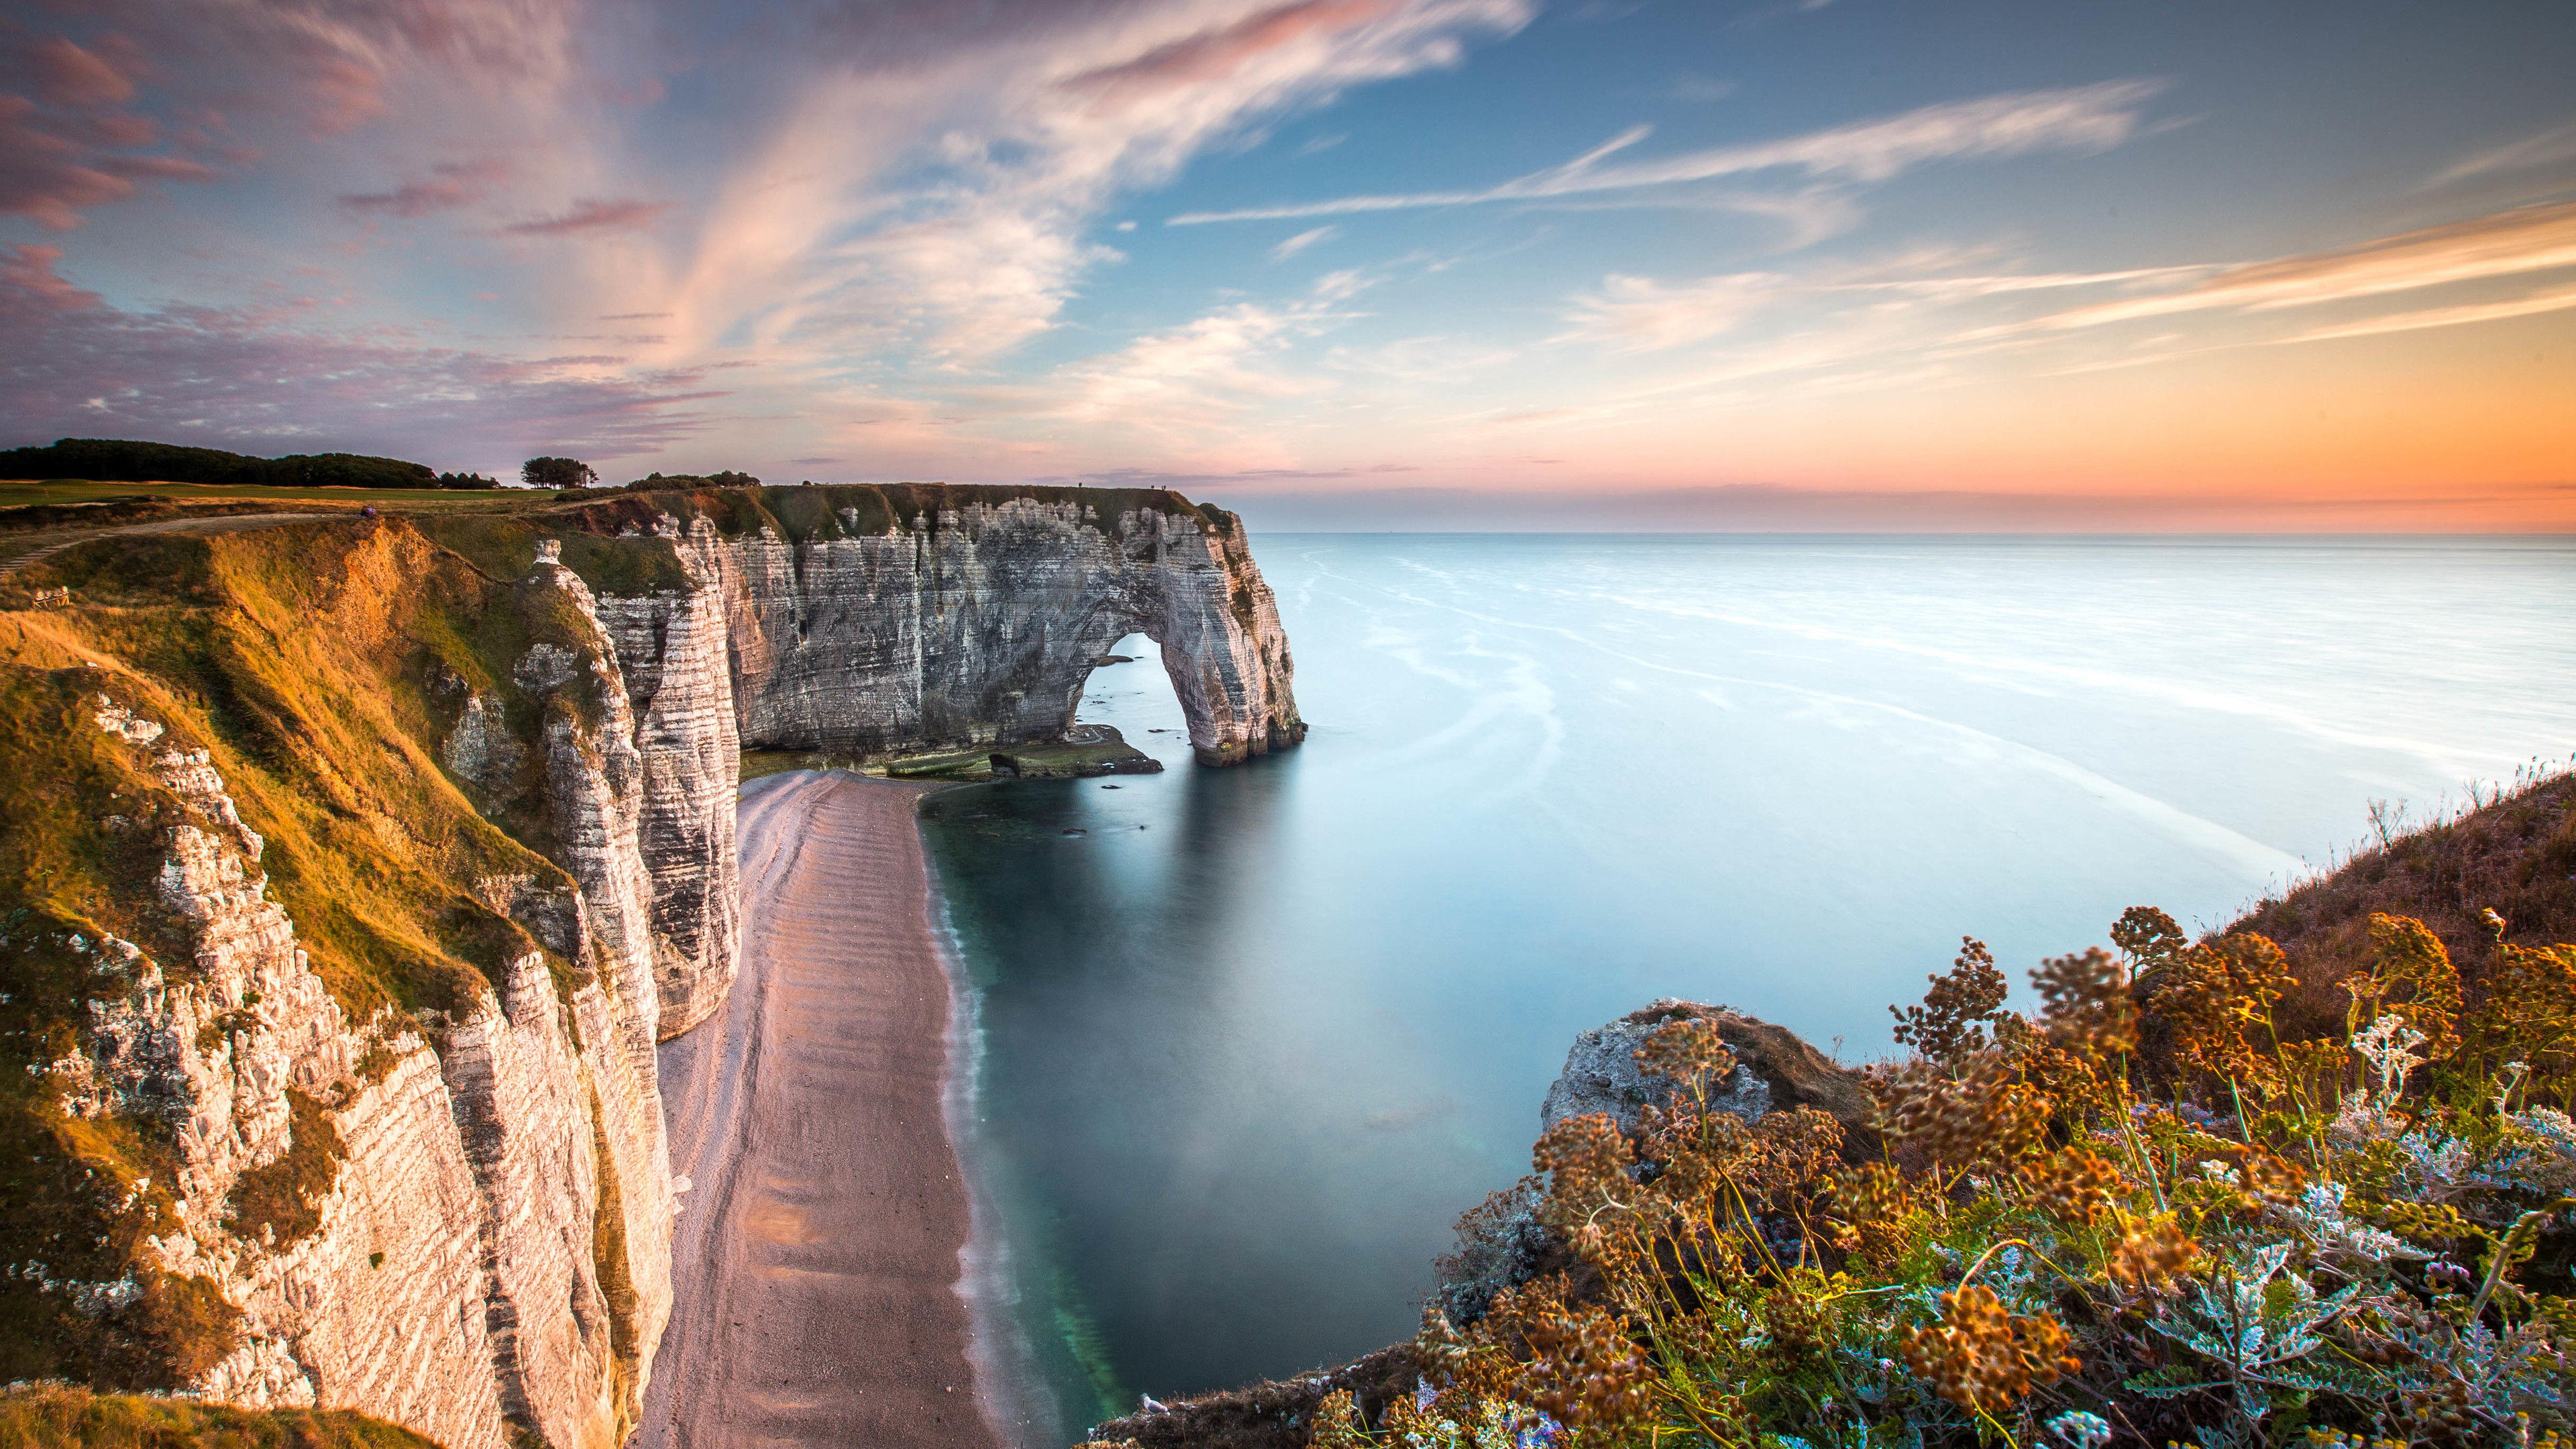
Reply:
x=1240, y=1045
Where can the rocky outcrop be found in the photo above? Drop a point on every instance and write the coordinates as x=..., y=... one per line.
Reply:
x=1776, y=1070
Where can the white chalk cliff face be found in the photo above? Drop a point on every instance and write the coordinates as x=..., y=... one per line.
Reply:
x=972, y=625
x=450, y=1279
x=487, y=1254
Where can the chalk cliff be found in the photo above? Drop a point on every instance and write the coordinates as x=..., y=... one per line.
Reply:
x=363, y=1111
x=888, y=621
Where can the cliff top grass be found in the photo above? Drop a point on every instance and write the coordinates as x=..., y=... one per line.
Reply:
x=60, y=1416
x=18, y=492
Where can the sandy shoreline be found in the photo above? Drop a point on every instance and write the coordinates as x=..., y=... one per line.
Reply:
x=816, y=1257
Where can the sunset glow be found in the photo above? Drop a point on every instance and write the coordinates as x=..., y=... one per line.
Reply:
x=1340, y=263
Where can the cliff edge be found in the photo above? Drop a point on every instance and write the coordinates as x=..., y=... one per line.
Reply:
x=355, y=866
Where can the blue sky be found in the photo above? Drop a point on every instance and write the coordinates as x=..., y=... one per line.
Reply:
x=1342, y=262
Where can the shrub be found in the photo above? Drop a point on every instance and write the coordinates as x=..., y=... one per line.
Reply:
x=2234, y=1239
x=58, y=1415
x=282, y=1201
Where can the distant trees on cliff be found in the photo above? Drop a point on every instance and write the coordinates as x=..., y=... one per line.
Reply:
x=557, y=473
x=116, y=460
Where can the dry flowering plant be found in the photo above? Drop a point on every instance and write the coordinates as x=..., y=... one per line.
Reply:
x=2142, y=1215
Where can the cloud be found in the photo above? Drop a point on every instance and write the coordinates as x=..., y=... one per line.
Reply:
x=237, y=377
x=1638, y=314
x=451, y=184
x=593, y=217
x=2554, y=299
x=27, y=272
x=2082, y=118
x=940, y=214
x=76, y=77
x=77, y=148
x=1302, y=240
x=2546, y=149
x=1218, y=53
x=2526, y=239
x=1317, y=145
x=1199, y=376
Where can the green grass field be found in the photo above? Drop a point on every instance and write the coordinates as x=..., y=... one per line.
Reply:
x=18, y=491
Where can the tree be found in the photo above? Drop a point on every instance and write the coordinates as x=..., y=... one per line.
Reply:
x=557, y=473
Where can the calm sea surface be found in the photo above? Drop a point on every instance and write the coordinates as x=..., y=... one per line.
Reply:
x=1251, y=1042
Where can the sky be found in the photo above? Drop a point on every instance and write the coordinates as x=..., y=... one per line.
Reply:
x=1618, y=264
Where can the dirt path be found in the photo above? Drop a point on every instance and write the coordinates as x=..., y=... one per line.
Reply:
x=816, y=1258
x=37, y=546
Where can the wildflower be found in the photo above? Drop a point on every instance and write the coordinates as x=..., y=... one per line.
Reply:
x=2414, y=978
x=2087, y=1009
x=2153, y=1255
x=2389, y=1044
x=1586, y=1370
x=1586, y=1161
x=1981, y=1356
x=2075, y=1184
x=2079, y=1430
x=1690, y=1052
x=1952, y=1023
x=1337, y=1423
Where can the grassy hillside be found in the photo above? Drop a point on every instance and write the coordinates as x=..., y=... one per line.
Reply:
x=2516, y=857
x=59, y=1416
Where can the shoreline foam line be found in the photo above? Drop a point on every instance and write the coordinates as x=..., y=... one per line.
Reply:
x=1018, y=1405
x=816, y=1256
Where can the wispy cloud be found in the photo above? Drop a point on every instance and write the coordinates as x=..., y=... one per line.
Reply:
x=450, y=184
x=1302, y=240
x=1639, y=314
x=178, y=374
x=2549, y=148
x=945, y=213
x=2553, y=299
x=2083, y=118
x=2526, y=239
x=589, y=217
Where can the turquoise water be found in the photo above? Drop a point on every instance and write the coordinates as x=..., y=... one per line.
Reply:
x=1242, y=1067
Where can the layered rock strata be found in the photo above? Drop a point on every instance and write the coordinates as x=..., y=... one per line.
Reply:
x=971, y=624
x=979, y=623
x=447, y=1276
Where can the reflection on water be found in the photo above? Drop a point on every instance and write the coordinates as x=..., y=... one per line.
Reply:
x=1243, y=1066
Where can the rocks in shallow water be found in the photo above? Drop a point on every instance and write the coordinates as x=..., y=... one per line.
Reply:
x=1087, y=750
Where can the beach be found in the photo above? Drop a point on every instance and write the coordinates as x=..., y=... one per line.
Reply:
x=816, y=1257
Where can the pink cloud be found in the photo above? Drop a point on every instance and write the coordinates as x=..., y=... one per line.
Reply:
x=28, y=270
x=450, y=184
x=589, y=217
x=74, y=150
x=75, y=77
x=1218, y=53
x=233, y=377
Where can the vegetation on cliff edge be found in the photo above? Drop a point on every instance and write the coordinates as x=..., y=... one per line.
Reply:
x=2174, y=1205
